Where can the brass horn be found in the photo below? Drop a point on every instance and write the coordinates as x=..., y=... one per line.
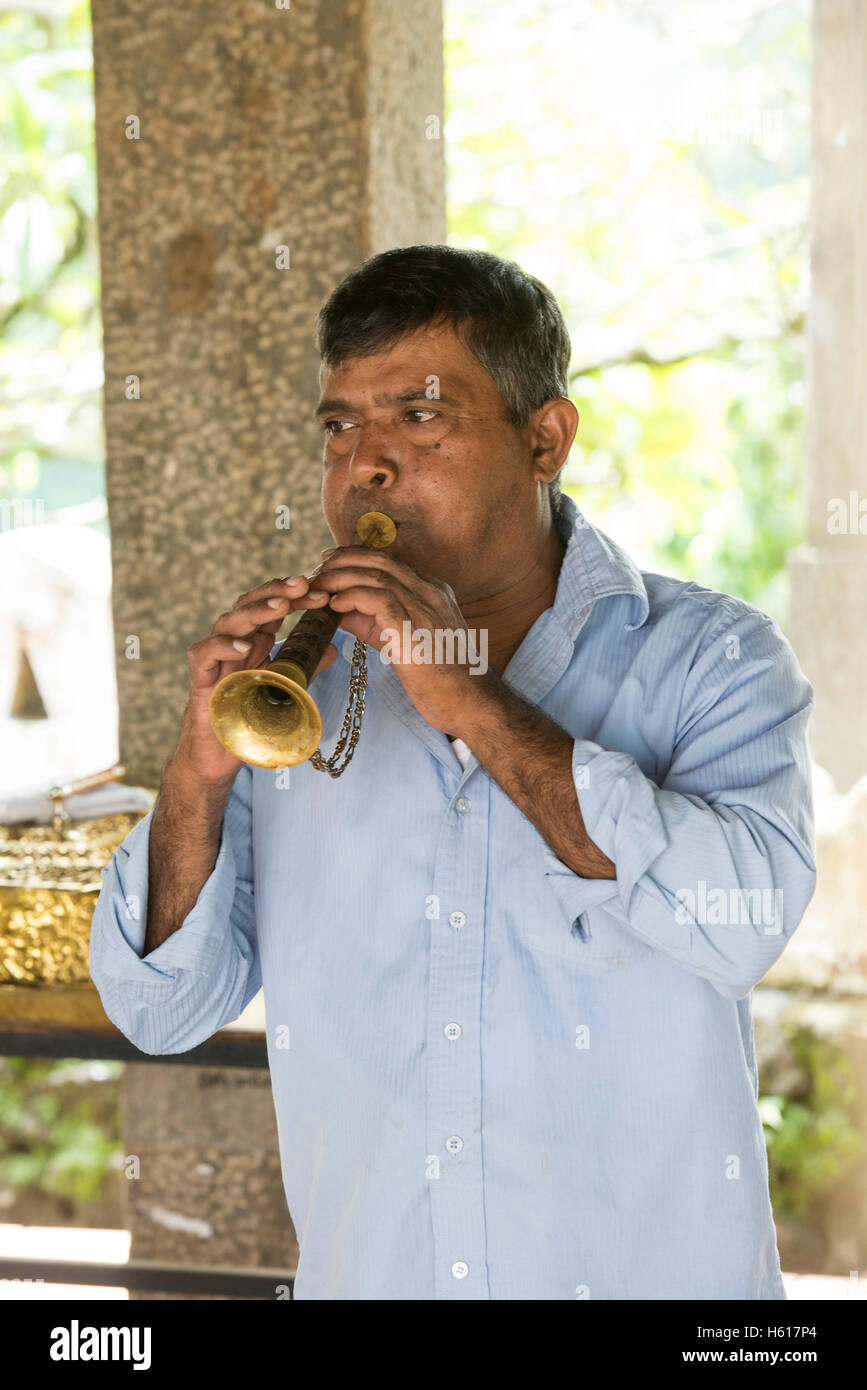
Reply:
x=265, y=716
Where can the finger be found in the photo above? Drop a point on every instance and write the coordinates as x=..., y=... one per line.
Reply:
x=300, y=592
x=349, y=577
x=271, y=587
x=314, y=599
x=265, y=612
x=213, y=658
x=378, y=562
x=381, y=605
x=219, y=656
x=370, y=560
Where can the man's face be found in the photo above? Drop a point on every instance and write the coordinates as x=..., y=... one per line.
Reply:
x=420, y=431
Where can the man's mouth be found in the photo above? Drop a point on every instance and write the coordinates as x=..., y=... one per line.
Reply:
x=396, y=521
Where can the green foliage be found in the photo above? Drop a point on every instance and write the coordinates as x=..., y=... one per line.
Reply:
x=50, y=351
x=726, y=518
x=812, y=1142
x=58, y=1128
x=650, y=163
x=622, y=177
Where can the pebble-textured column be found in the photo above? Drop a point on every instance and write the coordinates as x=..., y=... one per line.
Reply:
x=201, y=1175
x=248, y=157
x=225, y=133
x=829, y=575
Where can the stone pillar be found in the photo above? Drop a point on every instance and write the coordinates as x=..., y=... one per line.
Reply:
x=829, y=575
x=823, y=971
x=248, y=156
x=202, y=1182
x=225, y=133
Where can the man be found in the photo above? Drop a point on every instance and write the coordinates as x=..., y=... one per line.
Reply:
x=508, y=1004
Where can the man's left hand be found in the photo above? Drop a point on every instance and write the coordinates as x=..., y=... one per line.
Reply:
x=377, y=594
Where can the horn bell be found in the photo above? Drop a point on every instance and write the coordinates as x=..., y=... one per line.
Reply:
x=266, y=716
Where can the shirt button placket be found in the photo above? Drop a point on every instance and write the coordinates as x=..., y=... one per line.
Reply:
x=454, y=1048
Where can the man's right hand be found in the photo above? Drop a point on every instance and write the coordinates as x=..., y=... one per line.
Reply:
x=252, y=623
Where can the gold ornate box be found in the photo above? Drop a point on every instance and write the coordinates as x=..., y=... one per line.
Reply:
x=50, y=877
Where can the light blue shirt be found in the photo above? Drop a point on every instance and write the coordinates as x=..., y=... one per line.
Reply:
x=494, y=1079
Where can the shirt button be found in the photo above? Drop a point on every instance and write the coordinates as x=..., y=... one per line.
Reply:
x=463, y=804
x=454, y=1143
x=458, y=919
x=460, y=1270
x=452, y=1031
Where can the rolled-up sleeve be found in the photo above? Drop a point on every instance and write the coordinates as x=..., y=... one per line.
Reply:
x=715, y=866
x=204, y=974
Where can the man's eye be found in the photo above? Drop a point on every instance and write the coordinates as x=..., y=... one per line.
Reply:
x=335, y=426
x=422, y=410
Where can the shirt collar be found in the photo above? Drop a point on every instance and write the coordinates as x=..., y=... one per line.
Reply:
x=593, y=567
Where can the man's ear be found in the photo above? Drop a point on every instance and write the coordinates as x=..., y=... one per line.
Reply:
x=554, y=427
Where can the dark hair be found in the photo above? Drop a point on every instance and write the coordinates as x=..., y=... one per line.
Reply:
x=514, y=326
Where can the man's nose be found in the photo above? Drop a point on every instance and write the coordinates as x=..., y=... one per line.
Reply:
x=375, y=457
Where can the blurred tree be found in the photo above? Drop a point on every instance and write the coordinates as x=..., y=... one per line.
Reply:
x=650, y=163
x=51, y=445
x=812, y=1137
x=59, y=1131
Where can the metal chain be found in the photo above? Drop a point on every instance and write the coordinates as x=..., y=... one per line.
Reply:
x=353, y=716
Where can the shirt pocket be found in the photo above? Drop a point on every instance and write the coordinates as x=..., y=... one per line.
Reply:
x=572, y=922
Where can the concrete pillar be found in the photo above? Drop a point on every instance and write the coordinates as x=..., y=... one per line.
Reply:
x=224, y=133
x=248, y=156
x=201, y=1174
x=829, y=575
